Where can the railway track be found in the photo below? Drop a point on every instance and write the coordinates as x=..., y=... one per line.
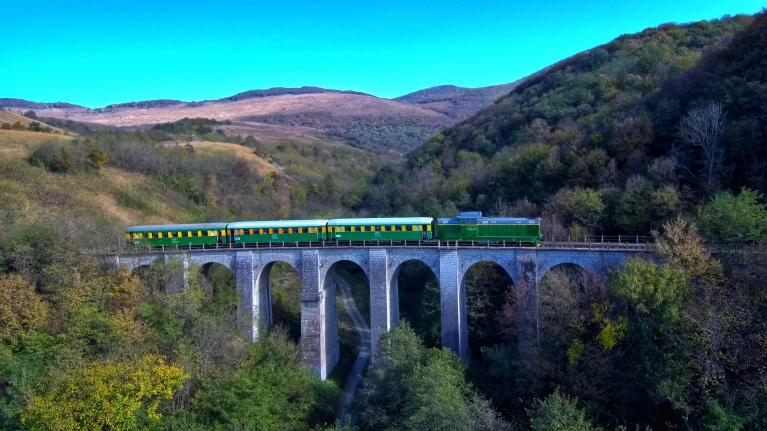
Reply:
x=600, y=244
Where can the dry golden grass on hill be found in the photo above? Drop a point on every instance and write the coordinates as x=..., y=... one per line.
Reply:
x=261, y=166
x=31, y=192
x=12, y=117
x=335, y=103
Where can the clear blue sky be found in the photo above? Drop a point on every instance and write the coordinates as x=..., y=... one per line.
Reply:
x=98, y=52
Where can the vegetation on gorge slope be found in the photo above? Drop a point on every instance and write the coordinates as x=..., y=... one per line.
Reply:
x=594, y=142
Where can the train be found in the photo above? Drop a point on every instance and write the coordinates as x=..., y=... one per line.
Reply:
x=466, y=226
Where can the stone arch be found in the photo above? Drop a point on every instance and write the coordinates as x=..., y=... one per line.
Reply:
x=466, y=262
x=548, y=266
x=205, y=261
x=493, y=279
x=263, y=288
x=329, y=287
x=394, y=284
x=589, y=261
x=141, y=267
x=134, y=262
x=330, y=260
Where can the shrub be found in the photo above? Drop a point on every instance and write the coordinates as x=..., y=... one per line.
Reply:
x=55, y=157
x=558, y=412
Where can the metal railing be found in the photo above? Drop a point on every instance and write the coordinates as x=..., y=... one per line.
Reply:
x=589, y=243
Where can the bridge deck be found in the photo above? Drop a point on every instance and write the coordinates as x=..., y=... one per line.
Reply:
x=616, y=246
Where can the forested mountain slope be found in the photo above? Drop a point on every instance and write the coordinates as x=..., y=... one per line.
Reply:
x=594, y=140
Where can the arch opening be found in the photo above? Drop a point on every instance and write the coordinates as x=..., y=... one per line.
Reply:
x=491, y=306
x=418, y=300
x=220, y=291
x=347, y=290
x=160, y=277
x=281, y=285
x=567, y=295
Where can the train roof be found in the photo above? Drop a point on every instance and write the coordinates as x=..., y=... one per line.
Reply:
x=380, y=221
x=176, y=227
x=492, y=220
x=276, y=223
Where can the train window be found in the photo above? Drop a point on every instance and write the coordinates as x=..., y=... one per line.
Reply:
x=149, y=235
x=290, y=230
x=300, y=230
x=279, y=230
x=323, y=229
x=127, y=236
x=159, y=234
x=383, y=228
x=224, y=232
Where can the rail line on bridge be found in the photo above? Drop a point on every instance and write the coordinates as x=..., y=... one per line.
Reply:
x=600, y=244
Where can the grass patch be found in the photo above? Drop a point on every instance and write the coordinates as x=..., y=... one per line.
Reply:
x=133, y=200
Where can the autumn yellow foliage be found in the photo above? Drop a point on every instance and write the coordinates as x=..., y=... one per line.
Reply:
x=104, y=395
x=21, y=308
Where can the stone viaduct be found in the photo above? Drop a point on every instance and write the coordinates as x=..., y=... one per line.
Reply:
x=319, y=326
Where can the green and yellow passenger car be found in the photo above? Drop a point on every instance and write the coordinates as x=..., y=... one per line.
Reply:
x=171, y=235
x=374, y=229
x=252, y=232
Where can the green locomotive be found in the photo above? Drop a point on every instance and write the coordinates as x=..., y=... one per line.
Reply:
x=471, y=226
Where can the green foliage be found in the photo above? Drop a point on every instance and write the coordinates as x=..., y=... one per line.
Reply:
x=37, y=127
x=270, y=390
x=651, y=290
x=55, y=157
x=416, y=388
x=581, y=206
x=734, y=219
x=109, y=395
x=595, y=122
x=97, y=158
x=560, y=413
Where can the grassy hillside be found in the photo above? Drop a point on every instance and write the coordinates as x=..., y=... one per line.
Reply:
x=11, y=117
x=312, y=113
x=147, y=181
x=585, y=141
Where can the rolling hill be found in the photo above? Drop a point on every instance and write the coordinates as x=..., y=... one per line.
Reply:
x=359, y=119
